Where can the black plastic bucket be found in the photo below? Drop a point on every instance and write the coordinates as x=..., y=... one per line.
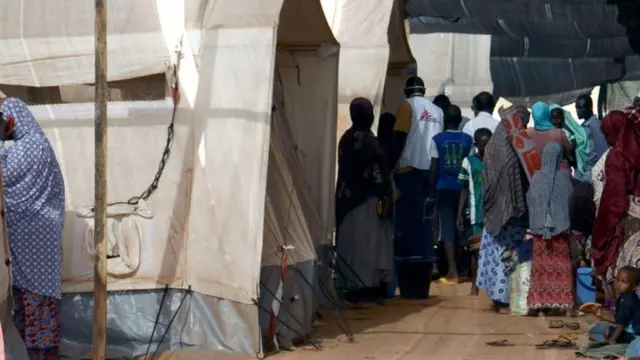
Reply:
x=414, y=278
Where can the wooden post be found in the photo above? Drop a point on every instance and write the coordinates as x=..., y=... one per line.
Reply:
x=100, y=180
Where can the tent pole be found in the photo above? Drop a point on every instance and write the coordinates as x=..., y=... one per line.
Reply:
x=100, y=182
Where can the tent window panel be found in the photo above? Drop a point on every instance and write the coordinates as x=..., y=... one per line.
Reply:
x=145, y=88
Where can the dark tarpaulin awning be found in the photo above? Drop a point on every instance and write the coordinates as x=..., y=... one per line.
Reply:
x=540, y=48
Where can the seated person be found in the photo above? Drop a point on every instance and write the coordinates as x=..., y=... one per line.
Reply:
x=627, y=313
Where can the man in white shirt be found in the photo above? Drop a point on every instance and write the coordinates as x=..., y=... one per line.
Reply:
x=483, y=105
x=417, y=121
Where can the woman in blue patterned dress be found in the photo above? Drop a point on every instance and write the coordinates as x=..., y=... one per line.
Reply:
x=504, y=206
x=34, y=202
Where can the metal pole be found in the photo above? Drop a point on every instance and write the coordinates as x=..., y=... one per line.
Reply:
x=100, y=180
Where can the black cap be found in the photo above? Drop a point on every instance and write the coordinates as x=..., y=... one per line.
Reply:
x=414, y=83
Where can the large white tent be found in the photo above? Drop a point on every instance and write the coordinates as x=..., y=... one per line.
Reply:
x=361, y=28
x=265, y=88
x=401, y=60
x=251, y=168
x=373, y=53
x=453, y=64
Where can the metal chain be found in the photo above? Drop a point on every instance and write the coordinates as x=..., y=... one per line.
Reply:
x=166, y=153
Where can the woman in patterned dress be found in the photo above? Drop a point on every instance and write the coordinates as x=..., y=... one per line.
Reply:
x=549, y=202
x=504, y=206
x=34, y=201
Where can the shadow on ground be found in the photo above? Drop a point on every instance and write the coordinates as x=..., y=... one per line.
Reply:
x=370, y=316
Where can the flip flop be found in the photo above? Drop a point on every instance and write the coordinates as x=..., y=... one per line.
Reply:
x=500, y=343
x=445, y=281
x=556, y=324
x=589, y=308
x=568, y=336
x=572, y=326
x=557, y=344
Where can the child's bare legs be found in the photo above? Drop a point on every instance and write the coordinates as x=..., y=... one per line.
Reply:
x=474, y=271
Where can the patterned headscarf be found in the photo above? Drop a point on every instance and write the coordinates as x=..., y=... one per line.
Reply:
x=503, y=187
x=549, y=195
x=34, y=200
x=541, y=116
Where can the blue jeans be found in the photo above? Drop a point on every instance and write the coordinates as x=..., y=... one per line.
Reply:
x=412, y=231
x=633, y=351
x=596, y=333
x=448, y=200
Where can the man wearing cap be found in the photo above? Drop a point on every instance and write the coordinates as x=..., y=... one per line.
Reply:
x=417, y=121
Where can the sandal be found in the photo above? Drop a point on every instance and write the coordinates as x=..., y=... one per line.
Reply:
x=445, y=281
x=568, y=336
x=559, y=324
x=557, y=344
x=572, y=326
x=556, y=324
x=500, y=343
x=589, y=308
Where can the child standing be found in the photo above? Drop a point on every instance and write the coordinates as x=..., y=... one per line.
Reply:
x=624, y=325
x=471, y=197
x=448, y=150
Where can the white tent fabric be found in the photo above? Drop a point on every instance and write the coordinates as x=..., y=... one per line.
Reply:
x=208, y=221
x=300, y=180
x=308, y=79
x=361, y=28
x=400, y=58
x=50, y=44
x=454, y=64
x=221, y=132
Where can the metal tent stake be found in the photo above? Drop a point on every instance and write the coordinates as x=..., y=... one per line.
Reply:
x=100, y=191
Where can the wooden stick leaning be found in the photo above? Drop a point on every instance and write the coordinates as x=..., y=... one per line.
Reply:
x=100, y=259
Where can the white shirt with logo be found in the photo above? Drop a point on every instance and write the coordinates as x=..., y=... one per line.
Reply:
x=427, y=120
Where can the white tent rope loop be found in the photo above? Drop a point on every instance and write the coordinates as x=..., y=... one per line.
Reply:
x=124, y=236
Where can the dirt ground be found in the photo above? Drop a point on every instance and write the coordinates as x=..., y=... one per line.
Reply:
x=449, y=325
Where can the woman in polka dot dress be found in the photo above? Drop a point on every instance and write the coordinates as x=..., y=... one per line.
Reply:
x=34, y=202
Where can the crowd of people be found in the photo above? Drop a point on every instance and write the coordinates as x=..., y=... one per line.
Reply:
x=530, y=200
x=530, y=203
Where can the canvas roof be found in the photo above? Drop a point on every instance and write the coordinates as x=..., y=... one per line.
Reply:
x=538, y=48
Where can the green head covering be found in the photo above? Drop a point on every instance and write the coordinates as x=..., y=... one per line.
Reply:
x=583, y=147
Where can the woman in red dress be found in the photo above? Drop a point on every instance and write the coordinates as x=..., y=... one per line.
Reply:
x=618, y=219
x=549, y=204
